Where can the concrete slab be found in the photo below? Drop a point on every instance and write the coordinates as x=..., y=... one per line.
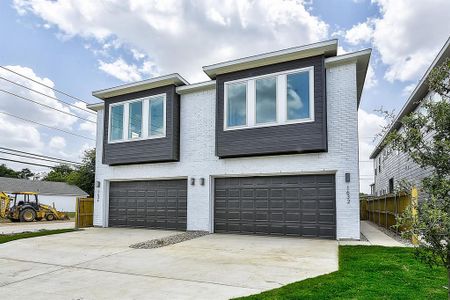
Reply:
x=254, y=262
x=89, y=284
x=14, y=271
x=98, y=264
x=8, y=228
x=375, y=237
x=76, y=247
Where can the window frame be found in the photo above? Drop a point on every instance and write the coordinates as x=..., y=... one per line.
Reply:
x=145, y=119
x=281, y=100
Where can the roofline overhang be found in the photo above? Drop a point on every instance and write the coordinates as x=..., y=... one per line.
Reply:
x=96, y=106
x=361, y=59
x=171, y=79
x=420, y=91
x=327, y=48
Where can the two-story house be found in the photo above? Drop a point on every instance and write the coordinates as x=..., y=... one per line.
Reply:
x=393, y=168
x=268, y=146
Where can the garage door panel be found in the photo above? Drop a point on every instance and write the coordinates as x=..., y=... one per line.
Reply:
x=149, y=204
x=276, y=205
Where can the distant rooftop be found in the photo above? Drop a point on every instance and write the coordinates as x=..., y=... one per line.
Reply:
x=11, y=185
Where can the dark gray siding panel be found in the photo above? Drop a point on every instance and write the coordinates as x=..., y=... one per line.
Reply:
x=276, y=205
x=285, y=139
x=151, y=150
x=148, y=204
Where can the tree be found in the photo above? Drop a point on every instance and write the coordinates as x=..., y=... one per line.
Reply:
x=7, y=172
x=59, y=173
x=25, y=173
x=425, y=136
x=84, y=176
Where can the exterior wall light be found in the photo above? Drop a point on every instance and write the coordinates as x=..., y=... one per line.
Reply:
x=202, y=181
x=192, y=181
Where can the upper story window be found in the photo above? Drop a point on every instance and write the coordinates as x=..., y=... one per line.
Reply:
x=138, y=119
x=270, y=100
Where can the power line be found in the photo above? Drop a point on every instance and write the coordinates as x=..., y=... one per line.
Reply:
x=26, y=120
x=64, y=93
x=35, y=158
x=47, y=106
x=26, y=163
x=45, y=95
x=40, y=155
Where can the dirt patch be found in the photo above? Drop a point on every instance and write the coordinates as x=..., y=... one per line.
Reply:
x=169, y=240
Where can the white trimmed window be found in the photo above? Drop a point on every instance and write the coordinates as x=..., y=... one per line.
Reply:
x=138, y=119
x=270, y=100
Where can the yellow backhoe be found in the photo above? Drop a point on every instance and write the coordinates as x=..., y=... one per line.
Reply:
x=26, y=208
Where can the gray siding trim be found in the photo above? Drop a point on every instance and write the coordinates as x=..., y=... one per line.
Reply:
x=284, y=139
x=146, y=151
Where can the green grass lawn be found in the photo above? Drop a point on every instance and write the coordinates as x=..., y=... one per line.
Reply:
x=4, y=238
x=369, y=272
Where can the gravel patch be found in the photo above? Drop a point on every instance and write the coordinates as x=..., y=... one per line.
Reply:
x=169, y=240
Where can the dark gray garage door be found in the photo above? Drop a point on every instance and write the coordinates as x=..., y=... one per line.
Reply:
x=149, y=204
x=279, y=205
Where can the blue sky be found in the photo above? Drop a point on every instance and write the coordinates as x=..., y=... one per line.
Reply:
x=81, y=46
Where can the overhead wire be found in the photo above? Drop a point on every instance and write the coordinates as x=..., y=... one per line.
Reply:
x=39, y=155
x=45, y=95
x=42, y=84
x=44, y=125
x=38, y=158
x=26, y=163
x=44, y=105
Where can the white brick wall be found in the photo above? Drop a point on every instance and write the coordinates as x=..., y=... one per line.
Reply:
x=197, y=158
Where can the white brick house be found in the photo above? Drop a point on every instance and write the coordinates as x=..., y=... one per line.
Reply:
x=248, y=179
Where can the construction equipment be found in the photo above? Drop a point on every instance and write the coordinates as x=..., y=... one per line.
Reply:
x=26, y=208
x=4, y=205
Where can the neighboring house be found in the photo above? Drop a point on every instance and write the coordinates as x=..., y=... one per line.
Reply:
x=391, y=167
x=268, y=146
x=61, y=194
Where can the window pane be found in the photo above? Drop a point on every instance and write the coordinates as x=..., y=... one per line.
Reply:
x=237, y=104
x=135, y=120
x=116, y=122
x=266, y=100
x=156, y=116
x=298, y=96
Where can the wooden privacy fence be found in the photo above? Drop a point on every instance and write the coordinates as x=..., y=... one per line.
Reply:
x=383, y=210
x=84, y=212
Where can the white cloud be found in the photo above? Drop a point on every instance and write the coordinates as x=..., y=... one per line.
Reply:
x=371, y=79
x=407, y=35
x=183, y=36
x=407, y=90
x=27, y=109
x=369, y=124
x=21, y=135
x=360, y=33
x=121, y=70
x=57, y=143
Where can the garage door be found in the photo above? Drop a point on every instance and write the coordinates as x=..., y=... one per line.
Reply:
x=279, y=205
x=148, y=204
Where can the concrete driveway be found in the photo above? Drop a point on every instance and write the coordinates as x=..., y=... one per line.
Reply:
x=98, y=264
x=8, y=228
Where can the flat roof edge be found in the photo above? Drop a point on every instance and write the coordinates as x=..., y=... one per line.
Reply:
x=95, y=106
x=155, y=82
x=329, y=46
